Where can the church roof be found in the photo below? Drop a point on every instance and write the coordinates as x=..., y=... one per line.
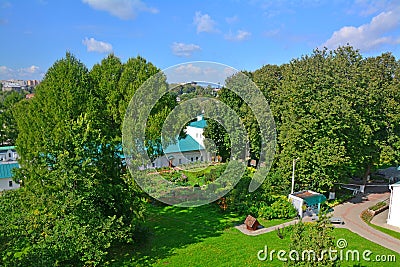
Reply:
x=200, y=123
x=184, y=145
x=5, y=169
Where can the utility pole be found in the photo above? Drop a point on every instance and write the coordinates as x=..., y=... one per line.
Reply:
x=294, y=166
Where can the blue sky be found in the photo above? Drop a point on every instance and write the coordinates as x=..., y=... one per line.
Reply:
x=243, y=34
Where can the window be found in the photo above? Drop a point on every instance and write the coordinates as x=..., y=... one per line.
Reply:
x=201, y=158
x=9, y=155
x=153, y=164
x=180, y=161
x=197, y=158
x=10, y=184
x=191, y=159
x=197, y=135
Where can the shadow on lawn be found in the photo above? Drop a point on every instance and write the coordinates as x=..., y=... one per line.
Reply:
x=170, y=228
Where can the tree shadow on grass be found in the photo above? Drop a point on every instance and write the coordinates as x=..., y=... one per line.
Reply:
x=170, y=228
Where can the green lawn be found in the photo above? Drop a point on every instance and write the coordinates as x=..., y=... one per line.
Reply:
x=204, y=236
x=386, y=231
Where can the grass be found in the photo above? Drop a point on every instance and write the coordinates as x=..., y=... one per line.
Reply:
x=204, y=236
x=385, y=230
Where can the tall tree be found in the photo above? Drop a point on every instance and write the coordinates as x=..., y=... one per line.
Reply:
x=9, y=131
x=336, y=112
x=77, y=201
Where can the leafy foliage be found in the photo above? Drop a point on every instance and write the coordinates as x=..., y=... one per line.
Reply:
x=77, y=199
x=336, y=112
x=9, y=131
x=316, y=237
x=261, y=203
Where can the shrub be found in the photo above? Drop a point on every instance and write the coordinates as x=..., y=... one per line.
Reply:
x=280, y=209
x=367, y=215
x=378, y=205
x=260, y=203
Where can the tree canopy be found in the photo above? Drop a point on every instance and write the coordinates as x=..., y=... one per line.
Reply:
x=335, y=111
x=77, y=199
x=338, y=112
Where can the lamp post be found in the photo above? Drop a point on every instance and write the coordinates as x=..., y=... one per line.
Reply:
x=294, y=166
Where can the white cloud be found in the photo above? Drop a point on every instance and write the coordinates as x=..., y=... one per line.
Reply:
x=4, y=70
x=239, y=36
x=32, y=72
x=204, y=23
x=190, y=68
x=31, y=69
x=200, y=71
x=123, y=9
x=184, y=50
x=369, y=36
x=97, y=46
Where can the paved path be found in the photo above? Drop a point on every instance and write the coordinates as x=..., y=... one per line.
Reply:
x=380, y=220
x=242, y=228
x=350, y=213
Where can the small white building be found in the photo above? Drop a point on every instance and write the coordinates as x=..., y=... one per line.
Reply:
x=8, y=153
x=6, y=176
x=394, y=205
x=307, y=202
x=8, y=161
x=186, y=150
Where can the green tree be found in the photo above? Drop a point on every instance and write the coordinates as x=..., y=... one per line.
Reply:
x=377, y=105
x=77, y=199
x=105, y=78
x=9, y=131
x=335, y=111
x=316, y=239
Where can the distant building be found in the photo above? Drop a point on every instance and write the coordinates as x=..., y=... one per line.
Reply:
x=186, y=150
x=19, y=85
x=10, y=86
x=6, y=176
x=394, y=205
x=8, y=153
x=8, y=161
x=32, y=82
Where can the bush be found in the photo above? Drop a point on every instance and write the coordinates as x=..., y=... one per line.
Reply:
x=378, y=205
x=367, y=215
x=260, y=203
x=280, y=209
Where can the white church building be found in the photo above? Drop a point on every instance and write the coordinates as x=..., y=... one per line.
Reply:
x=394, y=205
x=186, y=150
x=8, y=162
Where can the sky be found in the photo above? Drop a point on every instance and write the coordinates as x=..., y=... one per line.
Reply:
x=242, y=34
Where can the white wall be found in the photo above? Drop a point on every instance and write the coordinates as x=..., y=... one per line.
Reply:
x=297, y=203
x=8, y=155
x=196, y=134
x=394, y=208
x=181, y=158
x=4, y=184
